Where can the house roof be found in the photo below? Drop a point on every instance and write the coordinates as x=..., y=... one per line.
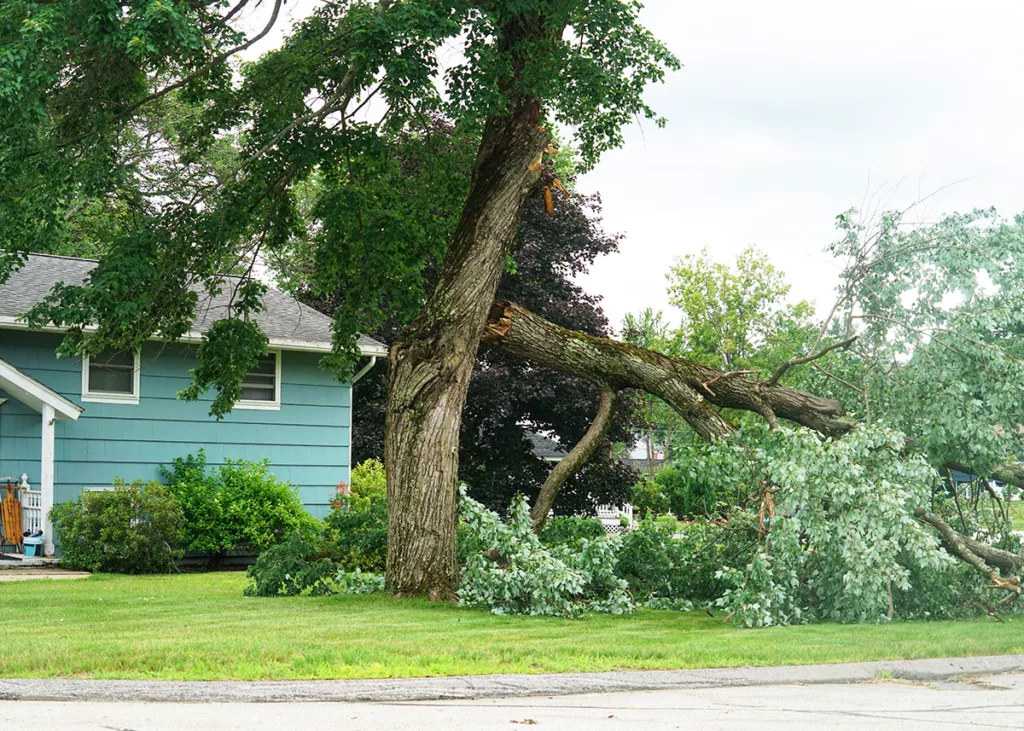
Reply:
x=35, y=395
x=289, y=324
x=545, y=447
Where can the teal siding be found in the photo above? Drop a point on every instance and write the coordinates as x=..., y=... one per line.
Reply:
x=306, y=441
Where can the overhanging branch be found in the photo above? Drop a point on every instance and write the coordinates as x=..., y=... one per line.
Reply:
x=793, y=362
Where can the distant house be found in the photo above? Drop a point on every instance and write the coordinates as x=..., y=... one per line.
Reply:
x=74, y=424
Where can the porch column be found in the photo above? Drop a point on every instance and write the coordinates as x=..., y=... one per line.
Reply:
x=46, y=476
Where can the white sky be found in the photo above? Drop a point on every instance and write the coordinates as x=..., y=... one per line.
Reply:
x=789, y=112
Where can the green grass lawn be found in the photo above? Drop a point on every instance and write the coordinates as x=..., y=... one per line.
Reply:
x=199, y=626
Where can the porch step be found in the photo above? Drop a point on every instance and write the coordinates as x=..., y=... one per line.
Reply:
x=27, y=562
x=30, y=574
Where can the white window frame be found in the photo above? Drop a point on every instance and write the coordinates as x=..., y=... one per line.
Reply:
x=103, y=397
x=274, y=405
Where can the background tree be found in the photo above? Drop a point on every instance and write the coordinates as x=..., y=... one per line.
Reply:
x=736, y=318
x=649, y=329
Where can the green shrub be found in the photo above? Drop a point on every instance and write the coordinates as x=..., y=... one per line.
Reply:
x=669, y=564
x=369, y=479
x=302, y=564
x=651, y=562
x=688, y=492
x=131, y=529
x=649, y=499
x=358, y=521
x=529, y=578
x=561, y=530
x=359, y=529
x=238, y=504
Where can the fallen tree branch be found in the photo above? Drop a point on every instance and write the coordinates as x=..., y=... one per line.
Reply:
x=677, y=381
x=574, y=461
x=707, y=384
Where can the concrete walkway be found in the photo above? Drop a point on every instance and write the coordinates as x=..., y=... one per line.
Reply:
x=987, y=702
x=498, y=686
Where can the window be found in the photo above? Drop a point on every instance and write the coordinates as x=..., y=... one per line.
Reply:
x=261, y=388
x=111, y=377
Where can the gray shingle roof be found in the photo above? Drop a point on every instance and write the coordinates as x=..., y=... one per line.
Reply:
x=545, y=447
x=285, y=320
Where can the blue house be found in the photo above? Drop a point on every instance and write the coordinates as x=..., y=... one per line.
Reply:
x=74, y=424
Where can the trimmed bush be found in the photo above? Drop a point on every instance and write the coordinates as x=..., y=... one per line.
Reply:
x=131, y=529
x=238, y=504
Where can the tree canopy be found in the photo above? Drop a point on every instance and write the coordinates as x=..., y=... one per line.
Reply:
x=84, y=86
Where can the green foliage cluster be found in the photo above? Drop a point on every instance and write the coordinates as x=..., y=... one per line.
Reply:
x=572, y=530
x=238, y=504
x=131, y=529
x=665, y=562
x=292, y=567
x=527, y=577
x=649, y=499
x=343, y=554
x=843, y=536
x=303, y=565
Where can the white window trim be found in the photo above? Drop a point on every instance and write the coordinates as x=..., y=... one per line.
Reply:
x=101, y=397
x=274, y=405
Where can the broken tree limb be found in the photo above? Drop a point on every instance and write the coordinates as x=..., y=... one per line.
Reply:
x=981, y=556
x=675, y=380
x=575, y=460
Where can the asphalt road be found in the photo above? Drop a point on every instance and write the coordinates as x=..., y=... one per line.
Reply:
x=983, y=702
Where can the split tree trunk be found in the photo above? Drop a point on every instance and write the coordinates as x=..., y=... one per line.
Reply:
x=432, y=362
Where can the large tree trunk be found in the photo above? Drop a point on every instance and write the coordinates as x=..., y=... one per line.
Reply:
x=689, y=388
x=432, y=362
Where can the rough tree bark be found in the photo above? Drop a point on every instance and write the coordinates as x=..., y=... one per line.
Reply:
x=432, y=361
x=575, y=460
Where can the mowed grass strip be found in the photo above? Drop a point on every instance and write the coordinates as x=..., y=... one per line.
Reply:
x=200, y=627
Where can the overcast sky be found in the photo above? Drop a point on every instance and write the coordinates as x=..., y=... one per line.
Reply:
x=789, y=112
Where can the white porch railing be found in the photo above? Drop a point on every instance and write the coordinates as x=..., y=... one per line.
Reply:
x=31, y=510
x=611, y=517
